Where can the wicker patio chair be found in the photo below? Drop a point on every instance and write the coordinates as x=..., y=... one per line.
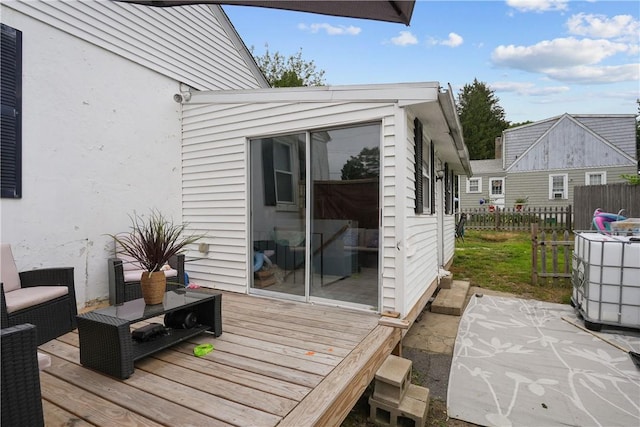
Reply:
x=123, y=289
x=44, y=297
x=21, y=398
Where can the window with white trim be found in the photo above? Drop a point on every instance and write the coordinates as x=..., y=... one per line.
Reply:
x=474, y=185
x=595, y=178
x=283, y=169
x=558, y=186
x=426, y=185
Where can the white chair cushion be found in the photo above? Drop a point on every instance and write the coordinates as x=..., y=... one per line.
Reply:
x=8, y=271
x=135, y=275
x=28, y=297
x=44, y=361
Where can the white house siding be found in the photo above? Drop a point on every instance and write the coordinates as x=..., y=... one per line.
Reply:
x=101, y=138
x=449, y=238
x=392, y=267
x=420, y=250
x=215, y=189
x=620, y=132
x=186, y=43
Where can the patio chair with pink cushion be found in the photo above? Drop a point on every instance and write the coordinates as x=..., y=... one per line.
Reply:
x=44, y=297
x=125, y=273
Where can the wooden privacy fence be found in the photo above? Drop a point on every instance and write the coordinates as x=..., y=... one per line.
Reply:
x=513, y=219
x=609, y=198
x=551, y=255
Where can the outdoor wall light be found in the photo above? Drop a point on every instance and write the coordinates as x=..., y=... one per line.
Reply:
x=182, y=97
x=439, y=175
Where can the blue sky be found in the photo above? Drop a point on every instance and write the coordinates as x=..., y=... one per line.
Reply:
x=542, y=58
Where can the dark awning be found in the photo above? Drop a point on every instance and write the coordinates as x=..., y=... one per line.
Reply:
x=379, y=10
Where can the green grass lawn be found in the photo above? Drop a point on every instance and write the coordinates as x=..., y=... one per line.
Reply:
x=501, y=261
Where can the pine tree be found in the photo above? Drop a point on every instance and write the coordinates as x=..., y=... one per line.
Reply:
x=482, y=119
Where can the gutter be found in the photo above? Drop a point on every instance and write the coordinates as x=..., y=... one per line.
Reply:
x=448, y=106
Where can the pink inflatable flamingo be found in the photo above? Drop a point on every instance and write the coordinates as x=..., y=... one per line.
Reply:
x=602, y=220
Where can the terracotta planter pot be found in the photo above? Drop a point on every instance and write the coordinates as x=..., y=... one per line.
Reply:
x=153, y=287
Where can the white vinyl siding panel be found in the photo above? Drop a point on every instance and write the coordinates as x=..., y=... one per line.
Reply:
x=449, y=238
x=186, y=43
x=215, y=176
x=421, y=257
x=420, y=245
x=389, y=203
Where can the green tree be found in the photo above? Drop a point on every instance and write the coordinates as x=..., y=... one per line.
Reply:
x=364, y=165
x=516, y=124
x=482, y=119
x=293, y=71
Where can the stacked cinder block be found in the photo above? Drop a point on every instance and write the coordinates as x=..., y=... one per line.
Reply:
x=395, y=401
x=446, y=281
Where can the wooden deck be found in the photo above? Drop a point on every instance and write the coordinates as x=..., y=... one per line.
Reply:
x=276, y=363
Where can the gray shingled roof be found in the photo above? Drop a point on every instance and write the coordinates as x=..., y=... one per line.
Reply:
x=487, y=166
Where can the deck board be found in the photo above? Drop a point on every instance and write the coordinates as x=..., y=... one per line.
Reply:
x=276, y=363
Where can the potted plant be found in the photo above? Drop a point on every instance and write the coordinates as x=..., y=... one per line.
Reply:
x=520, y=202
x=153, y=241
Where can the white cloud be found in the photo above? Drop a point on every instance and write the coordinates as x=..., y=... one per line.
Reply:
x=527, y=88
x=570, y=60
x=454, y=40
x=596, y=75
x=620, y=27
x=538, y=5
x=331, y=29
x=557, y=53
x=405, y=38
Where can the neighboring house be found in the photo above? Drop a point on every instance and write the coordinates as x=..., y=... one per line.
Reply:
x=347, y=190
x=545, y=160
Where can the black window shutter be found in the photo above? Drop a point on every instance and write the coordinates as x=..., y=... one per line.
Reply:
x=269, y=179
x=10, y=120
x=432, y=151
x=417, y=138
x=447, y=189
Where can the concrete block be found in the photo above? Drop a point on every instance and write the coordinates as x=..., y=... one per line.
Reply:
x=446, y=281
x=392, y=380
x=418, y=393
x=451, y=301
x=412, y=411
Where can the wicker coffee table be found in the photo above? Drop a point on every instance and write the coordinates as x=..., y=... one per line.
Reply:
x=106, y=344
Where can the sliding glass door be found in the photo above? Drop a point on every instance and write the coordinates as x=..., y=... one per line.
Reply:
x=327, y=247
x=345, y=176
x=278, y=225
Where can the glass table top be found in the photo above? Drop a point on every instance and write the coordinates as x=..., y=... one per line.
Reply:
x=138, y=310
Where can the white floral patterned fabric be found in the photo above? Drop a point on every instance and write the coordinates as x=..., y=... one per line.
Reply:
x=517, y=363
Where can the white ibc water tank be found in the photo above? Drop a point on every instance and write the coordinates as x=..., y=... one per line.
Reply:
x=606, y=279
